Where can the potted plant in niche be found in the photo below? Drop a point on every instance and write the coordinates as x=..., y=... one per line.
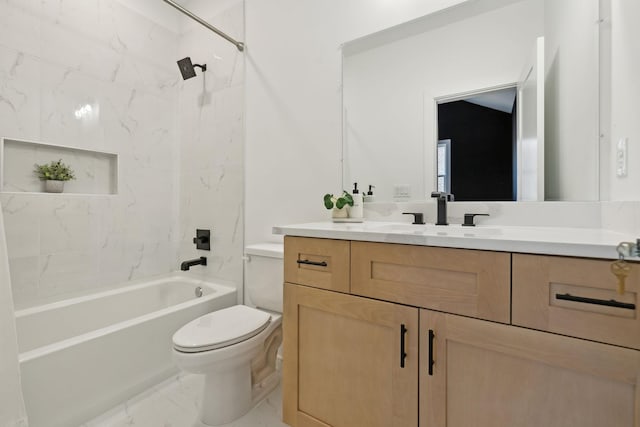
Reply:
x=338, y=204
x=54, y=175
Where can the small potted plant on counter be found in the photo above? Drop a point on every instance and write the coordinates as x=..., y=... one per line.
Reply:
x=54, y=175
x=338, y=204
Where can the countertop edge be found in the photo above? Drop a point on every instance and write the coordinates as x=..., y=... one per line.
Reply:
x=603, y=244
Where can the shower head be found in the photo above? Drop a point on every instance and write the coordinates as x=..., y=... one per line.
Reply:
x=187, y=69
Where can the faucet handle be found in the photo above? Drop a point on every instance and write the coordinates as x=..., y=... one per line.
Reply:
x=443, y=196
x=202, y=239
x=468, y=219
x=418, y=217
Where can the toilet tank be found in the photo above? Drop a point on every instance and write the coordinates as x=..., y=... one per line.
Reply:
x=264, y=275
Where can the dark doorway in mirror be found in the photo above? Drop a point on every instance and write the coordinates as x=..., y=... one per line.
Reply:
x=482, y=148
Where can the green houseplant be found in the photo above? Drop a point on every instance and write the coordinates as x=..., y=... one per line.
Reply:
x=54, y=174
x=338, y=204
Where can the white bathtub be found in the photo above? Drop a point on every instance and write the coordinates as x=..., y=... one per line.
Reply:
x=83, y=356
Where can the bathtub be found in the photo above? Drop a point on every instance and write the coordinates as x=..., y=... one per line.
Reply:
x=85, y=355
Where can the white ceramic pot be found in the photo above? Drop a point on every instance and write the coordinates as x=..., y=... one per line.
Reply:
x=340, y=213
x=51, y=186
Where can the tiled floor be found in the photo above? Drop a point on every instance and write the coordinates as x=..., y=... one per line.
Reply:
x=175, y=403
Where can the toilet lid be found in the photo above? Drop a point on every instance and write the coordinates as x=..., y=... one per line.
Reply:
x=221, y=328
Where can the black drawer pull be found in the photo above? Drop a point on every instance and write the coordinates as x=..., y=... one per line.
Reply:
x=432, y=361
x=403, y=354
x=607, y=303
x=307, y=262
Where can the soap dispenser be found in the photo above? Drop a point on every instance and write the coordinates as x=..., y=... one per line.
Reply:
x=368, y=196
x=356, y=210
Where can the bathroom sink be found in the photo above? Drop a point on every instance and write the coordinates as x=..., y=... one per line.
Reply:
x=453, y=230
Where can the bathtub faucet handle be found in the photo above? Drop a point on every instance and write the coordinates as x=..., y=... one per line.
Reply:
x=203, y=239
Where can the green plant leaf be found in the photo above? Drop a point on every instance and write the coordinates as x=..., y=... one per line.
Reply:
x=328, y=202
x=56, y=171
x=348, y=198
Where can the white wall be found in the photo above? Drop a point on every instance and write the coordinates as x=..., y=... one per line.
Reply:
x=625, y=94
x=571, y=100
x=390, y=91
x=293, y=100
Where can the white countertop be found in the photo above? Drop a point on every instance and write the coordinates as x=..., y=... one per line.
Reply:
x=580, y=242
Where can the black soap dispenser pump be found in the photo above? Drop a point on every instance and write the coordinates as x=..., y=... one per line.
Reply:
x=368, y=196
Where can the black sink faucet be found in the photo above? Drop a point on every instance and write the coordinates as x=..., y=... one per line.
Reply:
x=186, y=265
x=442, y=199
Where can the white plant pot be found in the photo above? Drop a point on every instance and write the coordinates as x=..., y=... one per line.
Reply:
x=51, y=186
x=340, y=213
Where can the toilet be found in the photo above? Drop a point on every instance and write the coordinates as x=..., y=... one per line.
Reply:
x=236, y=347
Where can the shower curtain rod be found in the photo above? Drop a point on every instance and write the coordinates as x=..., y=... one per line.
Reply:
x=201, y=21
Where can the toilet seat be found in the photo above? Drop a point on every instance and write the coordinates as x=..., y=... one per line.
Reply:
x=220, y=328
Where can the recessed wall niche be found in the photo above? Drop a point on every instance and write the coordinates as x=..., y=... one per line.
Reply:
x=96, y=172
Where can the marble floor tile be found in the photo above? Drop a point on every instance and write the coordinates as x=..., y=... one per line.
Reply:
x=175, y=403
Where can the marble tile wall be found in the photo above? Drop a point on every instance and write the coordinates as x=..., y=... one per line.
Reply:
x=212, y=142
x=58, y=56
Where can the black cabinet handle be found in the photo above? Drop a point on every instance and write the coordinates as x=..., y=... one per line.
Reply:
x=607, y=303
x=432, y=336
x=307, y=262
x=403, y=354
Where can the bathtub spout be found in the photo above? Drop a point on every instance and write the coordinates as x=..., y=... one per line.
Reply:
x=188, y=264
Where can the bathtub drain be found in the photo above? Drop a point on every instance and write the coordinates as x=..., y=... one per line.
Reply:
x=198, y=291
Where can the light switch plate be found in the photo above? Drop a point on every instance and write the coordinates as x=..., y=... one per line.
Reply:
x=401, y=191
x=621, y=157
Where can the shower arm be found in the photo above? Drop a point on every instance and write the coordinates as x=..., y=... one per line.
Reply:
x=201, y=21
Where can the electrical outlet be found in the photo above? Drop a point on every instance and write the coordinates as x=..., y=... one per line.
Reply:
x=621, y=157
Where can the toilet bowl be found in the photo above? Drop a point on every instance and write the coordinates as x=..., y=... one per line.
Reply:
x=236, y=348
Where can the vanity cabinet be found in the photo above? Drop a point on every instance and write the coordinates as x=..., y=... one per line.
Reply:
x=422, y=336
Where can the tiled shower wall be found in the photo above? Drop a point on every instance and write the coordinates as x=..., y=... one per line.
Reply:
x=59, y=56
x=212, y=141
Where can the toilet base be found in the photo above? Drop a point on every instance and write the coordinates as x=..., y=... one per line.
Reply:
x=226, y=395
x=225, y=410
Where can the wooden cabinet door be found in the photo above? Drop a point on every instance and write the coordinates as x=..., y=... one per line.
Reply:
x=342, y=360
x=491, y=375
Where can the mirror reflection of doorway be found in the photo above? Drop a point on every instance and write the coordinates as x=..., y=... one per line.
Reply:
x=477, y=141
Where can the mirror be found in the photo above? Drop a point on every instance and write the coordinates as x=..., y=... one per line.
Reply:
x=394, y=80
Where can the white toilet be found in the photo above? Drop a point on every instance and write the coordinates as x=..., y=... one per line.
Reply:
x=236, y=347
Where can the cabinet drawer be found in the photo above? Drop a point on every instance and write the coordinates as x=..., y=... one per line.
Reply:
x=576, y=297
x=321, y=263
x=460, y=281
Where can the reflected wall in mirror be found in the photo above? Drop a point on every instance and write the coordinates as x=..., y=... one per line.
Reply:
x=473, y=131
x=392, y=82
